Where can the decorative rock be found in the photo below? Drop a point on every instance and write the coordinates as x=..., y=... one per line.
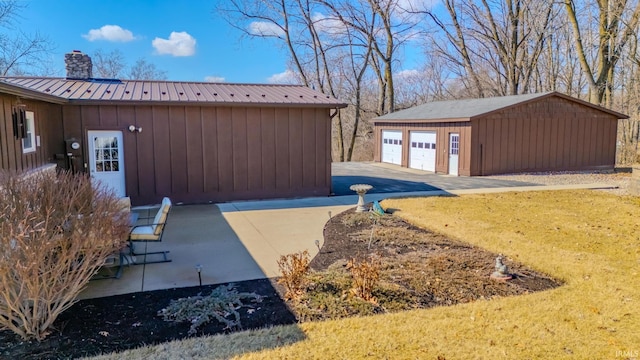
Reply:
x=361, y=189
x=502, y=272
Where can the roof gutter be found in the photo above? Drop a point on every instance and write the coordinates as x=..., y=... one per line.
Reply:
x=30, y=94
x=421, y=121
x=203, y=103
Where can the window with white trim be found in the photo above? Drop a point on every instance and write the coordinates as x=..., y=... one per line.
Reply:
x=29, y=140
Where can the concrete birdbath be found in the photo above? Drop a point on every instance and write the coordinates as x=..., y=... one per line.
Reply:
x=361, y=189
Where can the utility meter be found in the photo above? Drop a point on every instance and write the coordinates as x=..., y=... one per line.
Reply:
x=73, y=147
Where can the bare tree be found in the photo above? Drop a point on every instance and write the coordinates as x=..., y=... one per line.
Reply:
x=113, y=65
x=21, y=53
x=616, y=24
x=498, y=44
x=108, y=65
x=144, y=70
x=267, y=19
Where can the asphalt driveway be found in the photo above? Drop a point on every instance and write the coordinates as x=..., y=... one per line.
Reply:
x=388, y=178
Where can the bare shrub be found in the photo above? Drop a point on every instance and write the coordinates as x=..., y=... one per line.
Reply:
x=55, y=233
x=365, y=274
x=294, y=268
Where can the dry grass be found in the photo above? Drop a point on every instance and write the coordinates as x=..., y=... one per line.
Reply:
x=591, y=240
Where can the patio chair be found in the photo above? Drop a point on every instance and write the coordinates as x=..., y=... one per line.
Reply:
x=150, y=233
x=112, y=267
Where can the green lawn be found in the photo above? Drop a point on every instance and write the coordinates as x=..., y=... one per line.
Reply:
x=588, y=239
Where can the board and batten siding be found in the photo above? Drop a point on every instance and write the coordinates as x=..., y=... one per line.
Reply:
x=442, y=129
x=552, y=134
x=47, y=121
x=200, y=154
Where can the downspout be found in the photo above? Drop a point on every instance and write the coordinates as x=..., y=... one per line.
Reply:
x=331, y=116
x=481, y=162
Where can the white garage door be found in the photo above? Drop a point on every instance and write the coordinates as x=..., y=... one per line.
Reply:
x=422, y=152
x=392, y=146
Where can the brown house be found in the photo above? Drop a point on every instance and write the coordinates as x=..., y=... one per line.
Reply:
x=535, y=132
x=195, y=142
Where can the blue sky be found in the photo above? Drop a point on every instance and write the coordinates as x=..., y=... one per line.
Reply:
x=218, y=50
x=187, y=39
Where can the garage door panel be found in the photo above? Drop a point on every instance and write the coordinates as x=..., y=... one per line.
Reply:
x=392, y=146
x=422, y=152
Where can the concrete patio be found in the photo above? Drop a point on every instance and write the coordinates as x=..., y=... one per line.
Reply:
x=243, y=240
x=231, y=241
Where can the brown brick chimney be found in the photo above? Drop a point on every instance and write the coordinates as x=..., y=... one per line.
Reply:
x=78, y=65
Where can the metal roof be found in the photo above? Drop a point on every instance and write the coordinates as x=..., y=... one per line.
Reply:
x=144, y=91
x=466, y=109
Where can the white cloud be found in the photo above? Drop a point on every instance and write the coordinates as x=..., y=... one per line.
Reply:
x=214, y=79
x=178, y=44
x=286, y=77
x=263, y=28
x=329, y=25
x=109, y=33
x=407, y=74
x=418, y=4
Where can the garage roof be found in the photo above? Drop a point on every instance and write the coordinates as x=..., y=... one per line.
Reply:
x=172, y=92
x=467, y=109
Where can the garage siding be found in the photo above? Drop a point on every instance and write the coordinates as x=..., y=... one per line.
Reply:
x=200, y=154
x=554, y=134
x=442, y=130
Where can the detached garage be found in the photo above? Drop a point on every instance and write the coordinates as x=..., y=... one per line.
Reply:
x=510, y=134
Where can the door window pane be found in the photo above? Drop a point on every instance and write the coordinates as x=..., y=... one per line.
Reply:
x=106, y=153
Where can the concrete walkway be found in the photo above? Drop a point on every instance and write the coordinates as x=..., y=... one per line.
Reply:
x=243, y=240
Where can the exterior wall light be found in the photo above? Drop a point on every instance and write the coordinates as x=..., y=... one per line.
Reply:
x=133, y=128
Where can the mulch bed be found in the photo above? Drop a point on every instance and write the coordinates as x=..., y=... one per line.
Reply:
x=123, y=322
x=116, y=323
x=458, y=272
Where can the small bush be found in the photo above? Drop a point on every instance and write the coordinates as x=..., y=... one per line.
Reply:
x=55, y=233
x=366, y=274
x=294, y=268
x=223, y=303
x=327, y=297
x=355, y=219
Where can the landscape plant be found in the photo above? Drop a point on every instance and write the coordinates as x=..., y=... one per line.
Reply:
x=365, y=275
x=294, y=269
x=56, y=231
x=222, y=304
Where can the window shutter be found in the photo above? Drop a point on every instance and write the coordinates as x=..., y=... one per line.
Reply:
x=23, y=125
x=14, y=116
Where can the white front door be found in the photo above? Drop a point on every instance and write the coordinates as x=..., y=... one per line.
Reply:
x=392, y=146
x=454, y=151
x=106, y=160
x=422, y=153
